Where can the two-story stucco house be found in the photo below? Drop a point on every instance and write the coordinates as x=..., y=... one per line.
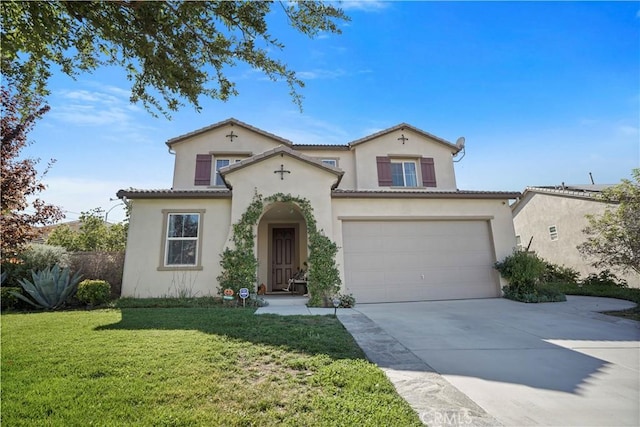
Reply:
x=389, y=201
x=550, y=219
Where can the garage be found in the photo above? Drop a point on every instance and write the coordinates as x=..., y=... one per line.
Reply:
x=394, y=261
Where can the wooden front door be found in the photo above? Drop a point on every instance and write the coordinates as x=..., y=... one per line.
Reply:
x=282, y=256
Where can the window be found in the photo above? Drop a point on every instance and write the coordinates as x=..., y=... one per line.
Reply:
x=330, y=162
x=518, y=241
x=403, y=174
x=181, y=245
x=553, y=232
x=220, y=163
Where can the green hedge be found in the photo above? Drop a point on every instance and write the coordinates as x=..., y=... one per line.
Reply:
x=93, y=292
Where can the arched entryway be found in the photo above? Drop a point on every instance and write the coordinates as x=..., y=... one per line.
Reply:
x=282, y=244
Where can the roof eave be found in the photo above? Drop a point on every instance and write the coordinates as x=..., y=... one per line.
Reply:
x=173, y=194
x=499, y=195
x=232, y=121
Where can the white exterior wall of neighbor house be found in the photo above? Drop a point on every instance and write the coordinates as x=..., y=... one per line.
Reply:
x=246, y=143
x=536, y=213
x=413, y=148
x=495, y=212
x=142, y=277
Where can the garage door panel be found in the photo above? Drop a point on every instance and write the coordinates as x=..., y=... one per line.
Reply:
x=418, y=260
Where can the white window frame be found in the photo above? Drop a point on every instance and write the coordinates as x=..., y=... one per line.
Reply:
x=330, y=162
x=164, y=252
x=518, y=241
x=405, y=162
x=217, y=175
x=553, y=233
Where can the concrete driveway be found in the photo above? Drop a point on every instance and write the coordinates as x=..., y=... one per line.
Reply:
x=554, y=364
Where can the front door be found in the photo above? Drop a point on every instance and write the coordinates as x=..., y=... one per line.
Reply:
x=282, y=256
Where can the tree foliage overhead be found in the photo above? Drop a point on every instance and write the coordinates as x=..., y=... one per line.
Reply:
x=22, y=211
x=613, y=238
x=171, y=50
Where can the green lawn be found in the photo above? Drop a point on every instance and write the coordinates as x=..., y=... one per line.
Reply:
x=629, y=294
x=189, y=367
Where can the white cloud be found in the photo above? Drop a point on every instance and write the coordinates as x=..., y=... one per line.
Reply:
x=104, y=109
x=309, y=130
x=321, y=74
x=364, y=5
x=79, y=194
x=627, y=130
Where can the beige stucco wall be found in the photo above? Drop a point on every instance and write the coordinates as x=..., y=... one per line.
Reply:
x=415, y=146
x=215, y=141
x=538, y=211
x=346, y=162
x=141, y=277
x=497, y=212
x=305, y=180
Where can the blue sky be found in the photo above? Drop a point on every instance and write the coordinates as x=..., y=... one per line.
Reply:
x=544, y=93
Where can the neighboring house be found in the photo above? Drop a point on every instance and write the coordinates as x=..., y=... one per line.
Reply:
x=389, y=201
x=552, y=220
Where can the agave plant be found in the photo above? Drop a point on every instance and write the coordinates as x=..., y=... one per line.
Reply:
x=50, y=288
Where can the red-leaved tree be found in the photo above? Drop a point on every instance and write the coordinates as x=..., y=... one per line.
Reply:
x=21, y=211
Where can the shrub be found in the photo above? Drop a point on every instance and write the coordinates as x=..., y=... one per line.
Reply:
x=604, y=279
x=540, y=293
x=38, y=257
x=105, y=266
x=49, y=288
x=35, y=257
x=93, y=292
x=557, y=273
x=347, y=301
x=523, y=270
x=7, y=297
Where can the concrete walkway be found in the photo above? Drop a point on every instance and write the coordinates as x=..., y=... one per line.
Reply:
x=435, y=400
x=288, y=305
x=554, y=364
x=495, y=361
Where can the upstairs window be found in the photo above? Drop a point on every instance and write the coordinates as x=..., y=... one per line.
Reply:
x=553, y=232
x=406, y=173
x=403, y=174
x=220, y=163
x=330, y=162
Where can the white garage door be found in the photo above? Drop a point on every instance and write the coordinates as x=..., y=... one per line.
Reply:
x=392, y=261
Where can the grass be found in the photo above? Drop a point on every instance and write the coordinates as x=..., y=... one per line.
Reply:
x=629, y=294
x=189, y=367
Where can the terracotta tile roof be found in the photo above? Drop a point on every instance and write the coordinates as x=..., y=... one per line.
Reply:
x=320, y=147
x=427, y=194
x=230, y=121
x=587, y=191
x=581, y=191
x=281, y=149
x=133, y=193
x=454, y=148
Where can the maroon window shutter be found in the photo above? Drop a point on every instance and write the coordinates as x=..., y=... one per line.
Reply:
x=384, y=171
x=203, y=169
x=428, y=172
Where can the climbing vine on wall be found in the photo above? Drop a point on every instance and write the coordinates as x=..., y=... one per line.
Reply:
x=239, y=265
